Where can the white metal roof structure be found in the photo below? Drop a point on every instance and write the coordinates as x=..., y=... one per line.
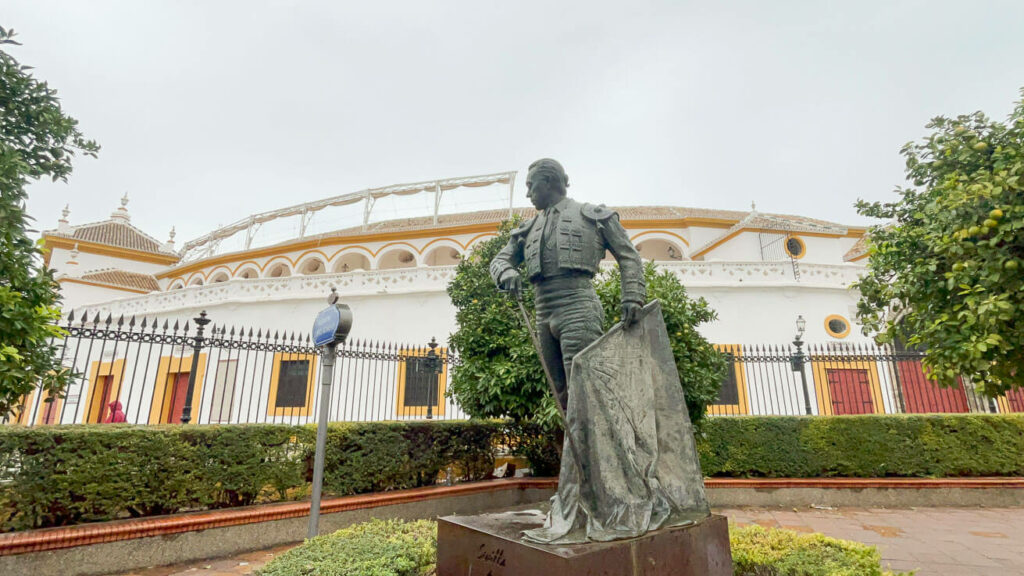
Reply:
x=207, y=245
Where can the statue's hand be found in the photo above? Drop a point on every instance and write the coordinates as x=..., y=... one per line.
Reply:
x=630, y=313
x=511, y=281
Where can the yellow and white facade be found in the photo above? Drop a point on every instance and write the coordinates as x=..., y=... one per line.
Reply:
x=758, y=271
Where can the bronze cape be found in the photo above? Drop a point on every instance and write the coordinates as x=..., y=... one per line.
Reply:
x=638, y=468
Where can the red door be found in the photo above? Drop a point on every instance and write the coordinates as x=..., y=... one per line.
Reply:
x=921, y=395
x=1015, y=398
x=850, y=390
x=50, y=412
x=178, y=393
x=101, y=402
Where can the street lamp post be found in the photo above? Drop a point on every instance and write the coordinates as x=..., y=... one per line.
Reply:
x=433, y=366
x=798, y=360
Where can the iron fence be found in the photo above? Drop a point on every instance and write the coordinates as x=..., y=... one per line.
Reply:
x=839, y=378
x=156, y=372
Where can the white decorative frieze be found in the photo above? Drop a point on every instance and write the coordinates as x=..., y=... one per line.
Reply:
x=436, y=279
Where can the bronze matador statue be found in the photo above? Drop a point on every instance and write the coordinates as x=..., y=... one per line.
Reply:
x=562, y=247
x=629, y=460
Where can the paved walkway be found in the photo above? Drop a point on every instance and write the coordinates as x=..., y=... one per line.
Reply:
x=935, y=541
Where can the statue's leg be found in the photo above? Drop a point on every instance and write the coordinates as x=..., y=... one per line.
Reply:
x=551, y=354
x=579, y=324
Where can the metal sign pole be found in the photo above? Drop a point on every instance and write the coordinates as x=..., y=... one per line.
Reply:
x=326, y=375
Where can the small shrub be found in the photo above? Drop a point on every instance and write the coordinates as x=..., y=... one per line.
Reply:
x=758, y=551
x=374, y=548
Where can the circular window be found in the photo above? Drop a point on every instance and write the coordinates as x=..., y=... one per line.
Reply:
x=795, y=247
x=837, y=326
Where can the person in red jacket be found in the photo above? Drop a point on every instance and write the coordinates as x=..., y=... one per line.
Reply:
x=116, y=413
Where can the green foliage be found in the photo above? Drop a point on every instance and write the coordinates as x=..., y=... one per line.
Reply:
x=701, y=367
x=500, y=375
x=944, y=275
x=758, y=551
x=61, y=475
x=538, y=444
x=373, y=457
x=863, y=446
x=374, y=548
x=36, y=140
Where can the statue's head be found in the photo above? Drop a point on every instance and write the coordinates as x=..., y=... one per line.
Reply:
x=546, y=183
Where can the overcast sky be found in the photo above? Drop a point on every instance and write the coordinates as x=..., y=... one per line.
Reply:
x=208, y=111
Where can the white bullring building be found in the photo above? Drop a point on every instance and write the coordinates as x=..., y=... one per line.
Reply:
x=390, y=253
x=759, y=271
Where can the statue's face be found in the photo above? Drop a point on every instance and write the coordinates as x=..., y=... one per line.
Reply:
x=541, y=192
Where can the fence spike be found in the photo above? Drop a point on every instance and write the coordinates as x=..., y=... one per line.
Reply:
x=110, y=318
x=232, y=334
x=120, y=321
x=131, y=322
x=250, y=331
x=175, y=327
x=275, y=335
x=143, y=325
x=71, y=317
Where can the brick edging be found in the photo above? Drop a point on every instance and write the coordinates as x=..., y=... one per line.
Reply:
x=117, y=530
x=857, y=483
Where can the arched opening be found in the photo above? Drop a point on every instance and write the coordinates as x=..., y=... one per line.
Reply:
x=442, y=256
x=196, y=281
x=398, y=258
x=249, y=273
x=177, y=285
x=279, y=270
x=351, y=261
x=219, y=277
x=659, y=250
x=312, y=267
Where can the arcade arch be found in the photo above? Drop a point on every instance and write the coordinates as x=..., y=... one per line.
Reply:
x=396, y=258
x=312, y=266
x=443, y=255
x=350, y=261
x=278, y=270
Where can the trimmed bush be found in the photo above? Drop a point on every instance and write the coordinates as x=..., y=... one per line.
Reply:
x=61, y=475
x=374, y=548
x=923, y=445
x=395, y=455
x=758, y=551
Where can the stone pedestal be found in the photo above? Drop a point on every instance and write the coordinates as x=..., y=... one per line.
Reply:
x=490, y=545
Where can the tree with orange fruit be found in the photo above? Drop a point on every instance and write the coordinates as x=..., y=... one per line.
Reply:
x=944, y=274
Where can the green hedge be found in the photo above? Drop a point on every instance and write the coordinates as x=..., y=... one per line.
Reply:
x=394, y=455
x=61, y=475
x=930, y=445
x=396, y=548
